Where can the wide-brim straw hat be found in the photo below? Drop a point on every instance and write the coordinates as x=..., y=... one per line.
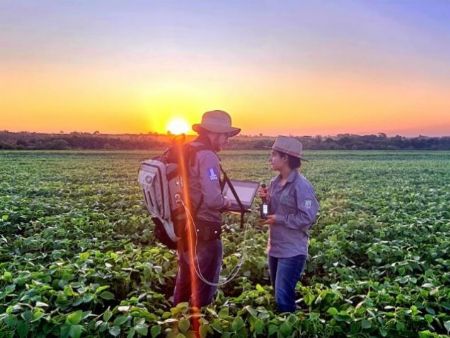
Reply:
x=216, y=121
x=289, y=145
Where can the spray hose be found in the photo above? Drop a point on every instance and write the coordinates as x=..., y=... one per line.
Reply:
x=198, y=271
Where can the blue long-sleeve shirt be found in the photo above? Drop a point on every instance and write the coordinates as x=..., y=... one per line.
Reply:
x=295, y=207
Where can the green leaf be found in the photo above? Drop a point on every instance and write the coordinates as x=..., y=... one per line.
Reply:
x=11, y=321
x=87, y=298
x=332, y=311
x=131, y=333
x=251, y=310
x=75, y=331
x=141, y=329
x=7, y=276
x=155, y=331
x=430, y=311
x=84, y=256
x=259, y=326
x=74, y=317
x=383, y=332
x=308, y=298
x=107, y=315
x=238, y=324
x=204, y=328
x=114, y=331
x=120, y=320
x=107, y=295
x=9, y=289
x=64, y=333
x=27, y=316
x=286, y=329
x=429, y=318
x=400, y=326
x=447, y=326
x=365, y=324
x=180, y=308
x=426, y=334
x=224, y=312
x=37, y=314
x=22, y=328
x=68, y=291
x=101, y=288
x=272, y=329
x=184, y=325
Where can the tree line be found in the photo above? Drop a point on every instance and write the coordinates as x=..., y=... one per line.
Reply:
x=150, y=141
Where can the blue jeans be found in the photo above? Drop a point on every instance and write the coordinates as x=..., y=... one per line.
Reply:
x=284, y=275
x=209, y=255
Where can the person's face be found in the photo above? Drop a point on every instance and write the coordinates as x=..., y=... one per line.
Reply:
x=218, y=141
x=277, y=161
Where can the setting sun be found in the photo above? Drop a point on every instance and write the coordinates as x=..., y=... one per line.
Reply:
x=178, y=126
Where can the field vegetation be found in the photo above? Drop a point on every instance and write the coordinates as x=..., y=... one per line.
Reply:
x=78, y=257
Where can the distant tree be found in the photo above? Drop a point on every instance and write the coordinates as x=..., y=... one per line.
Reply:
x=6, y=146
x=57, y=144
x=22, y=142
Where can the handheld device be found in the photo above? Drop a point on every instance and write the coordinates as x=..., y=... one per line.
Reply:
x=246, y=191
x=264, y=207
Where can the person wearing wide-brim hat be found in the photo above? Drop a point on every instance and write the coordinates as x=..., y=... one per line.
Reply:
x=217, y=123
x=207, y=202
x=293, y=209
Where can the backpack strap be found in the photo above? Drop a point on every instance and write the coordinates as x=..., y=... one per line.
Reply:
x=190, y=150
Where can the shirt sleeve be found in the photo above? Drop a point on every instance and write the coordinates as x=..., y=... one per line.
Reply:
x=305, y=215
x=209, y=171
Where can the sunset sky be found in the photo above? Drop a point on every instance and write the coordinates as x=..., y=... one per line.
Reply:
x=278, y=67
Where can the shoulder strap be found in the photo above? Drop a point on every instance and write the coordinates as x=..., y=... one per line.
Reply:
x=227, y=180
x=190, y=151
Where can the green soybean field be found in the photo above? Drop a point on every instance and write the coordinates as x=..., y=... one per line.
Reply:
x=78, y=256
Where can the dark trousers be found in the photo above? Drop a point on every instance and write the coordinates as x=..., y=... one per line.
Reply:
x=209, y=256
x=284, y=275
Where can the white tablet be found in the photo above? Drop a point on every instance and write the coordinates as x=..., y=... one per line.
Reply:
x=246, y=190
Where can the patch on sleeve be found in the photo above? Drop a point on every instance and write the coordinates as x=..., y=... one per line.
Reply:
x=212, y=174
x=308, y=204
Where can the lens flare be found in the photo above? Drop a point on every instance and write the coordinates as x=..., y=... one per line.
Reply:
x=191, y=238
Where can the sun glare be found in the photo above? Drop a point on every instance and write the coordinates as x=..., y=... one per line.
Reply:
x=178, y=126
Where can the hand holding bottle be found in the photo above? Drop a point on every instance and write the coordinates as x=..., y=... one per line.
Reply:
x=264, y=207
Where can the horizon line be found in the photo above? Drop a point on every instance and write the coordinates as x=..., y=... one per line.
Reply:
x=154, y=133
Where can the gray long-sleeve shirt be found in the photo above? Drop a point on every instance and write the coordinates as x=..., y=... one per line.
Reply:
x=204, y=186
x=295, y=207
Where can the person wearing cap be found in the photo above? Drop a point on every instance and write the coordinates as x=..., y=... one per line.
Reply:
x=293, y=208
x=207, y=202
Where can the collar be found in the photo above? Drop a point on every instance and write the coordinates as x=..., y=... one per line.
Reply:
x=291, y=177
x=205, y=141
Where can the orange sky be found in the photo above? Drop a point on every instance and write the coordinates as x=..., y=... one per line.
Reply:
x=326, y=79
x=75, y=99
